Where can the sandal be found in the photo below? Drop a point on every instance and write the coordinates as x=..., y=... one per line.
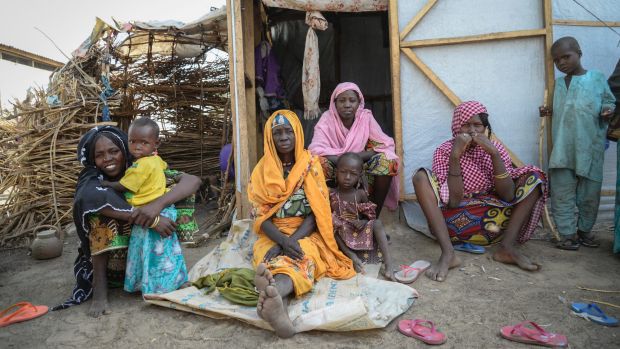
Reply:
x=416, y=328
x=569, y=244
x=529, y=332
x=23, y=311
x=587, y=239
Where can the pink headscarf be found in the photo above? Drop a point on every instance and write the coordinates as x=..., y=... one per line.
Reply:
x=332, y=138
x=476, y=164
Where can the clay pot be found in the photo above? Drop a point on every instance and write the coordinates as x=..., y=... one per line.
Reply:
x=47, y=244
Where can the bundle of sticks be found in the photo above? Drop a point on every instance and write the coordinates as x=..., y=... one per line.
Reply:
x=39, y=141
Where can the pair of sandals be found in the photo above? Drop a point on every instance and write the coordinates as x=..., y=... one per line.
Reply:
x=582, y=238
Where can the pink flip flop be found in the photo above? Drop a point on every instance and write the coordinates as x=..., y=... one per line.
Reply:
x=535, y=335
x=416, y=329
x=410, y=273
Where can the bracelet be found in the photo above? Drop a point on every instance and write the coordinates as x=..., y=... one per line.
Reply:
x=155, y=222
x=454, y=175
x=502, y=175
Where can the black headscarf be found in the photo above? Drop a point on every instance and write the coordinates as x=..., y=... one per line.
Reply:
x=91, y=197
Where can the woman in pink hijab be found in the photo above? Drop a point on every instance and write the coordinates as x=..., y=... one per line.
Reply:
x=348, y=127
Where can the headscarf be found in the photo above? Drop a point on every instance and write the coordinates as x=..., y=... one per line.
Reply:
x=91, y=197
x=476, y=164
x=269, y=190
x=331, y=137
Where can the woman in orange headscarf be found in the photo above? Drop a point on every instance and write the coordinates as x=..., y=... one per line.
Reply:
x=296, y=244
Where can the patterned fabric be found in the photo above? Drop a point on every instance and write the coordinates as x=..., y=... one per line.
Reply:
x=296, y=205
x=477, y=215
x=378, y=165
x=154, y=264
x=330, y=5
x=310, y=73
x=343, y=215
x=360, y=241
x=107, y=234
x=331, y=137
x=476, y=164
x=269, y=190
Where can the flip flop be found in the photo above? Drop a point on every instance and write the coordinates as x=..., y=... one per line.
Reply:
x=416, y=329
x=410, y=273
x=25, y=311
x=568, y=244
x=535, y=335
x=469, y=248
x=593, y=313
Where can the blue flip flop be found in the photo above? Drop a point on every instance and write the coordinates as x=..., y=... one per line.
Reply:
x=593, y=313
x=470, y=248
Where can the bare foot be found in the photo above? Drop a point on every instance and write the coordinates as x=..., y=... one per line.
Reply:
x=271, y=309
x=98, y=308
x=439, y=270
x=263, y=277
x=512, y=256
x=388, y=271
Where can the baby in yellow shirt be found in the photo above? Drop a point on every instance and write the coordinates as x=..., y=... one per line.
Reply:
x=144, y=181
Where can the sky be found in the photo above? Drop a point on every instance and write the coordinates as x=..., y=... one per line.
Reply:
x=68, y=23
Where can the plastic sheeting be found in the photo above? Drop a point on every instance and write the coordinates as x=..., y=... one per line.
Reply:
x=198, y=36
x=360, y=303
x=507, y=76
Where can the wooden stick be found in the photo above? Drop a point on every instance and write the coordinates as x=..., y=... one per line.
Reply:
x=518, y=34
x=601, y=302
x=415, y=20
x=597, y=290
x=574, y=22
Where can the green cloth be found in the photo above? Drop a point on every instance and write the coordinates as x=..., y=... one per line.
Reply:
x=234, y=284
x=569, y=190
x=578, y=131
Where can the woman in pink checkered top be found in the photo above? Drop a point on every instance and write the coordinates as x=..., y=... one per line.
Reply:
x=474, y=196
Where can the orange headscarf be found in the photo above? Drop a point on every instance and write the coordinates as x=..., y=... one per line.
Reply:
x=268, y=190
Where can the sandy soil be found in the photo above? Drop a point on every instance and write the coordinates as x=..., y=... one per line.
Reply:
x=469, y=307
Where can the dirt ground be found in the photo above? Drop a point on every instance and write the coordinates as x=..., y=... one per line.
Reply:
x=470, y=306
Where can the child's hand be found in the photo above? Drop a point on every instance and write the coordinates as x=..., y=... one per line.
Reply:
x=607, y=113
x=360, y=223
x=545, y=111
x=358, y=264
x=105, y=183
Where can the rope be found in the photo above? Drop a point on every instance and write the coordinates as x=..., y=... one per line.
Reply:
x=600, y=20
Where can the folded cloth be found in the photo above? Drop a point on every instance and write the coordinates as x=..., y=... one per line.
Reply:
x=234, y=284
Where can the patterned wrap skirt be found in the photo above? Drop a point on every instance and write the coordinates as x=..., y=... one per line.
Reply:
x=378, y=165
x=478, y=215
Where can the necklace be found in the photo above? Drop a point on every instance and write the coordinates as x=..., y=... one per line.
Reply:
x=287, y=164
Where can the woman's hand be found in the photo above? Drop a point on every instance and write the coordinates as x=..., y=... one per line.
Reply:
x=358, y=265
x=165, y=227
x=145, y=215
x=461, y=142
x=291, y=248
x=485, y=143
x=367, y=155
x=272, y=253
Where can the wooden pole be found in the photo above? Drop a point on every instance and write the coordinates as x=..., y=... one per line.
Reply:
x=395, y=77
x=416, y=19
x=474, y=38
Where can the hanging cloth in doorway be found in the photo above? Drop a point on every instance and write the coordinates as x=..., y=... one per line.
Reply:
x=311, y=75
